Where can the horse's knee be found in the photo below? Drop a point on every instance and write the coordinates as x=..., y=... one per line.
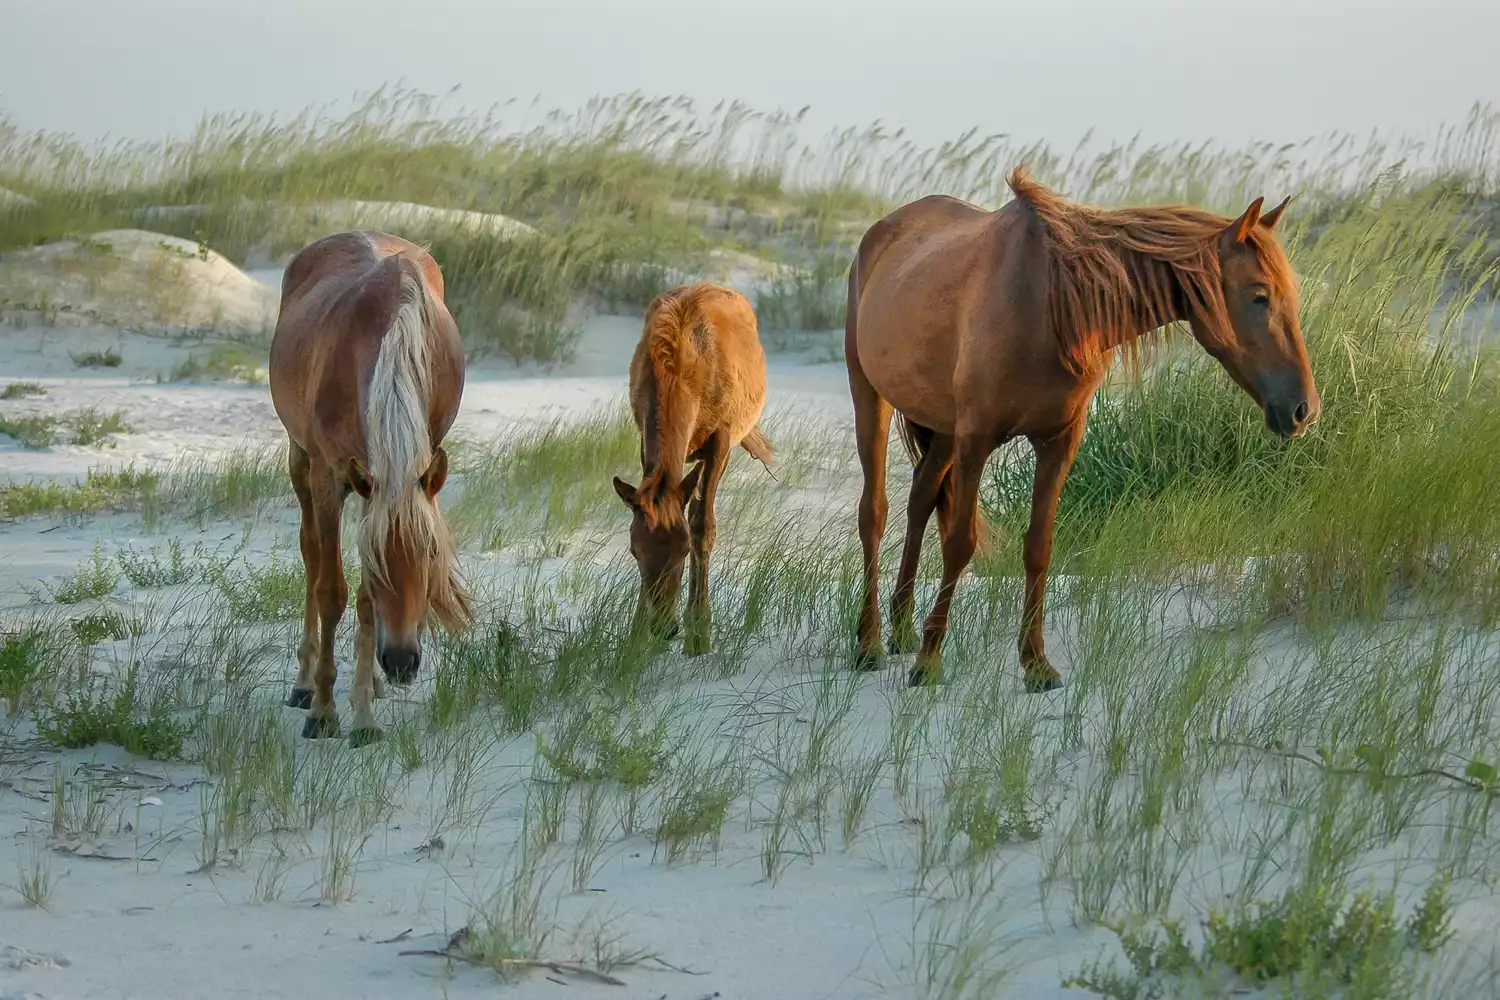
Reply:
x=1036, y=554
x=708, y=535
x=333, y=598
x=959, y=545
x=873, y=509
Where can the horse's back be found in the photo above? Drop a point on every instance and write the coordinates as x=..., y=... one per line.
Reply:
x=339, y=298
x=709, y=333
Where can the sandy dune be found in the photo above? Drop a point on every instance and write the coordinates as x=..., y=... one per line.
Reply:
x=139, y=280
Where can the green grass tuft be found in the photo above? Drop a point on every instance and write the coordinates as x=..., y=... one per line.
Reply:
x=21, y=390
x=109, y=358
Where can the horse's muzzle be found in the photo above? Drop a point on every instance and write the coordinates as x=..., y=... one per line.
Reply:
x=400, y=664
x=1292, y=418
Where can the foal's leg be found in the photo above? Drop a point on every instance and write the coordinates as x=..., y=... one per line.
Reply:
x=1054, y=456
x=705, y=531
x=366, y=688
x=928, y=481
x=299, y=465
x=959, y=541
x=872, y=427
x=328, y=492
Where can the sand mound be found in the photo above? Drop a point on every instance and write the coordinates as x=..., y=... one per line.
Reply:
x=744, y=272
x=14, y=199
x=405, y=218
x=142, y=281
x=402, y=218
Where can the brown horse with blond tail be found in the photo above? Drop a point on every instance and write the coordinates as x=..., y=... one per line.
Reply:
x=697, y=388
x=979, y=327
x=366, y=374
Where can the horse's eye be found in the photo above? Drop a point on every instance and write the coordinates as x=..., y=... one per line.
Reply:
x=1260, y=298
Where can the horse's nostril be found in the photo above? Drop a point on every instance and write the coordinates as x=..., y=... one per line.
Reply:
x=1300, y=413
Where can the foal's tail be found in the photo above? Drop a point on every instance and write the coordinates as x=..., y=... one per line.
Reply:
x=918, y=441
x=759, y=447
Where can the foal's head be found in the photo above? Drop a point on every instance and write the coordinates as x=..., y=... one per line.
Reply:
x=1265, y=353
x=409, y=565
x=659, y=541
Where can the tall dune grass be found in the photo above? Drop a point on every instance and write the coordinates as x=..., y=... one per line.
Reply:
x=628, y=187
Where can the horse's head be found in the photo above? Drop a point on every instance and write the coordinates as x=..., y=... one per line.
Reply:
x=1264, y=352
x=408, y=567
x=659, y=542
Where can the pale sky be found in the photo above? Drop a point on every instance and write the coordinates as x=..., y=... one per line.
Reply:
x=1234, y=70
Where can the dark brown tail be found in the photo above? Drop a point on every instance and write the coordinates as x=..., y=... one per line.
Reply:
x=918, y=440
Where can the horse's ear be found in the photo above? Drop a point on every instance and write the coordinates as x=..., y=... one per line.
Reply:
x=1239, y=229
x=690, y=483
x=626, y=491
x=1272, y=217
x=358, y=478
x=436, y=474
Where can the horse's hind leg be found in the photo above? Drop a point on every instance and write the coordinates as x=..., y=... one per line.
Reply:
x=705, y=531
x=928, y=483
x=872, y=426
x=959, y=541
x=332, y=595
x=300, y=468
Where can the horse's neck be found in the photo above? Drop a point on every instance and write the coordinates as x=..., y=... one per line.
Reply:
x=1158, y=299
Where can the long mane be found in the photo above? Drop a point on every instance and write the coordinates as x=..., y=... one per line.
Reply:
x=398, y=447
x=1117, y=273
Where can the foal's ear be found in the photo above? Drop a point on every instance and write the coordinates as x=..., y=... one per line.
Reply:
x=690, y=483
x=1239, y=229
x=358, y=478
x=436, y=474
x=1272, y=217
x=626, y=491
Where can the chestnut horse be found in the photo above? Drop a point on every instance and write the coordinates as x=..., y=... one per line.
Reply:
x=697, y=388
x=366, y=374
x=978, y=327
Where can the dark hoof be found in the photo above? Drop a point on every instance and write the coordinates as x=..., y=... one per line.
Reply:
x=865, y=661
x=321, y=729
x=923, y=677
x=1037, y=685
x=364, y=737
x=901, y=647
x=299, y=698
x=692, y=647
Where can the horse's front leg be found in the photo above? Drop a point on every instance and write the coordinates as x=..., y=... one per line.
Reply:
x=332, y=596
x=1054, y=456
x=703, y=524
x=366, y=687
